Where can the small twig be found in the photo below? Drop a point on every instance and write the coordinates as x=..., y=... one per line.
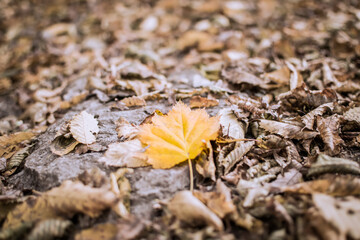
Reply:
x=191, y=176
x=235, y=140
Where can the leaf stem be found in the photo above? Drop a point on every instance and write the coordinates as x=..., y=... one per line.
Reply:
x=191, y=176
x=235, y=140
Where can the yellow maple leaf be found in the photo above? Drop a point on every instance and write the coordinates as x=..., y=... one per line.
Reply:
x=178, y=136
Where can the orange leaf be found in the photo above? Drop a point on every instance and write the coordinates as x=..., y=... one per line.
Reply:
x=178, y=136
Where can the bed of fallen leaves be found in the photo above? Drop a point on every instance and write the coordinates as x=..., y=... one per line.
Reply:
x=282, y=78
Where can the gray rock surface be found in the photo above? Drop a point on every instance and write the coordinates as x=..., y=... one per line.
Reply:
x=44, y=170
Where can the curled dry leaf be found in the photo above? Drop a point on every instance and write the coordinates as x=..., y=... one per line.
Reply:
x=63, y=145
x=329, y=133
x=105, y=231
x=231, y=126
x=202, y=40
x=286, y=130
x=353, y=115
x=186, y=207
x=326, y=164
x=83, y=127
x=178, y=136
x=49, y=229
x=296, y=80
x=280, y=76
x=299, y=97
x=335, y=185
x=238, y=75
x=235, y=156
x=219, y=202
x=133, y=101
x=66, y=200
x=205, y=164
x=309, y=118
x=17, y=160
x=248, y=104
x=343, y=214
x=126, y=130
x=45, y=95
x=125, y=154
x=200, y=102
x=7, y=141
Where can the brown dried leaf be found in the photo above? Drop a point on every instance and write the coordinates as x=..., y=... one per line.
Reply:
x=290, y=177
x=66, y=200
x=201, y=102
x=219, y=202
x=7, y=141
x=280, y=76
x=62, y=145
x=235, y=155
x=133, y=101
x=353, y=114
x=105, y=231
x=335, y=185
x=125, y=154
x=231, y=126
x=296, y=80
x=326, y=164
x=238, y=75
x=126, y=130
x=286, y=130
x=309, y=118
x=202, y=40
x=49, y=229
x=343, y=214
x=205, y=164
x=186, y=207
x=329, y=133
x=299, y=97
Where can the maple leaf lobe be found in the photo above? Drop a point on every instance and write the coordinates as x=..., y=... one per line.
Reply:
x=178, y=136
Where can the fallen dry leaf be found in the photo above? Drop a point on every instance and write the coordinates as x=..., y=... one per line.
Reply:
x=83, y=127
x=105, y=231
x=336, y=185
x=126, y=130
x=185, y=206
x=280, y=76
x=178, y=136
x=286, y=130
x=133, y=101
x=344, y=214
x=326, y=164
x=66, y=200
x=200, y=102
x=125, y=154
x=231, y=126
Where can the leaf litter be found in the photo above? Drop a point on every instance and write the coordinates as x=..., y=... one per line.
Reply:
x=274, y=135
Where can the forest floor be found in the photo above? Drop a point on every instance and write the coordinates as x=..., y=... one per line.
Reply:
x=108, y=109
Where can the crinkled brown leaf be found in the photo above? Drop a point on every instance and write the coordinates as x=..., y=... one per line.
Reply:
x=309, y=118
x=333, y=185
x=200, y=102
x=286, y=130
x=125, y=154
x=344, y=214
x=235, y=155
x=66, y=200
x=186, y=207
x=126, y=130
x=329, y=133
x=326, y=164
x=231, y=126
